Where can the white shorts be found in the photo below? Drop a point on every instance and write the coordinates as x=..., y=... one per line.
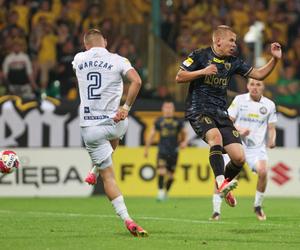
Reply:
x=96, y=139
x=253, y=155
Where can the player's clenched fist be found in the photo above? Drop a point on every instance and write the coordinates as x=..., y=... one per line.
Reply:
x=121, y=114
x=276, y=50
x=211, y=70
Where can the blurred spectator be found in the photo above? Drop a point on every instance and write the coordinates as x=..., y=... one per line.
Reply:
x=46, y=54
x=240, y=17
x=47, y=10
x=2, y=84
x=184, y=43
x=65, y=73
x=293, y=54
x=93, y=19
x=22, y=8
x=17, y=72
x=169, y=29
x=71, y=13
x=109, y=31
x=2, y=14
x=141, y=69
x=288, y=88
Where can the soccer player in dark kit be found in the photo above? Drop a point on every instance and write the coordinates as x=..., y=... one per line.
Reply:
x=172, y=137
x=209, y=72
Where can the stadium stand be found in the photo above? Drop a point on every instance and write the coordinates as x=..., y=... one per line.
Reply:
x=51, y=32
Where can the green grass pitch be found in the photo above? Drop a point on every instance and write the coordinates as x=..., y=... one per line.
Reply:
x=178, y=223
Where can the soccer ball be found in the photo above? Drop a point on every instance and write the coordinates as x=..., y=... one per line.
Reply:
x=9, y=161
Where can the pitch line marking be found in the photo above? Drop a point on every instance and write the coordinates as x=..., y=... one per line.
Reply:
x=39, y=213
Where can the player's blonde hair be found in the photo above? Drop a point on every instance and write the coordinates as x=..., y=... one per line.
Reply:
x=220, y=31
x=91, y=34
x=255, y=80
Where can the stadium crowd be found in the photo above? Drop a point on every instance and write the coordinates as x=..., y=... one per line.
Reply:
x=39, y=38
x=190, y=23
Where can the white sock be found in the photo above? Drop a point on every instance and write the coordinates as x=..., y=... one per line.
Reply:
x=217, y=201
x=259, y=197
x=219, y=180
x=161, y=192
x=120, y=208
x=95, y=170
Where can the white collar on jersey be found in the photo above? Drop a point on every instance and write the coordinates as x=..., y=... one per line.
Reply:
x=101, y=50
x=248, y=98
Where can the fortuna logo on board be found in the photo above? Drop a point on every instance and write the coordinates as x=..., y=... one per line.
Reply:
x=280, y=173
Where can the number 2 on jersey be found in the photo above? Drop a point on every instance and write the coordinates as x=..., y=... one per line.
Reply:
x=94, y=79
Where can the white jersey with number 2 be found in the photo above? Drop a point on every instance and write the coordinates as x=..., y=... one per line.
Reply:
x=255, y=116
x=99, y=75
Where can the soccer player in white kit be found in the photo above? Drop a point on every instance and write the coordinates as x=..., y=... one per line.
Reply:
x=103, y=122
x=254, y=117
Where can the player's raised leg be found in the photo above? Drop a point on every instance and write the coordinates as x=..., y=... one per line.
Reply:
x=214, y=139
x=233, y=167
x=92, y=176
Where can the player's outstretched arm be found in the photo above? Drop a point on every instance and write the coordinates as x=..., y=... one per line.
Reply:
x=262, y=72
x=184, y=76
x=134, y=88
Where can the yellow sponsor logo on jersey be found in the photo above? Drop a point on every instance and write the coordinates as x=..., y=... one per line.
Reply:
x=253, y=115
x=188, y=62
x=217, y=81
x=218, y=60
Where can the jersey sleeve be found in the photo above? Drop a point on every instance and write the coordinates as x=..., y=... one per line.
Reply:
x=180, y=124
x=125, y=65
x=273, y=114
x=191, y=63
x=233, y=108
x=243, y=68
x=75, y=60
x=157, y=124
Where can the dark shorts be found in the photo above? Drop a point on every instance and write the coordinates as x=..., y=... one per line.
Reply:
x=203, y=122
x=167, y=161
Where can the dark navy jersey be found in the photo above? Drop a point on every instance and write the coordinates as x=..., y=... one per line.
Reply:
x=169, y=129
x=208, y=94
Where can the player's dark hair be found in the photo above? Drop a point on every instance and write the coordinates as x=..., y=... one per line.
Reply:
x=168, y=100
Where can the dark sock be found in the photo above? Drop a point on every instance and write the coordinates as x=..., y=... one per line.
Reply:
x=216, y=160
x=232, y=170
x=169, y=184
x=160, y=181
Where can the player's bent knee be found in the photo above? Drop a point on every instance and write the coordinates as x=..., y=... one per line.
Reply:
x=161, y=170
x=105, y=164
x=214, y=137
x=262, y=172
x=239, y=160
